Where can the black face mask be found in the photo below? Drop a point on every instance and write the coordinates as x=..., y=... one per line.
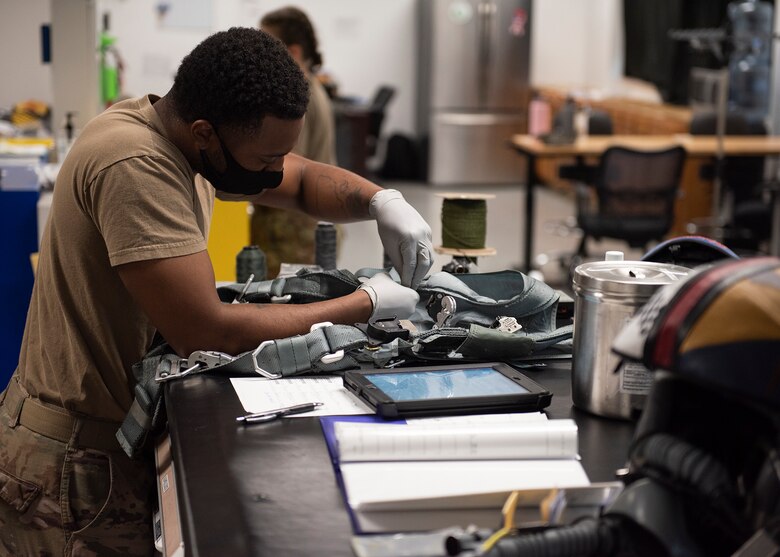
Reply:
x=236, y=178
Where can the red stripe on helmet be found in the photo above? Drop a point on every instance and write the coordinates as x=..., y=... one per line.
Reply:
x=666, y=338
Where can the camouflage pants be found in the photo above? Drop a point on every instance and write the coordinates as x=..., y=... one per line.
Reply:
x=284, y=236
x=57, y=499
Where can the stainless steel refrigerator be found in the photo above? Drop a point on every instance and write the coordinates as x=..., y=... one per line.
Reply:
x=473, y=78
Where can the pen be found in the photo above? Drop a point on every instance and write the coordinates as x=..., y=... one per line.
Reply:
x=278, y=413
x=240, y=297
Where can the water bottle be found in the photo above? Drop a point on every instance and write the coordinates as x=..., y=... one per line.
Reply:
x=539, y=116
x=325, y=245
x=250, y=261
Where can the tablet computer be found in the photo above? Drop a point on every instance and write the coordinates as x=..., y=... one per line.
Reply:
x=447, y=390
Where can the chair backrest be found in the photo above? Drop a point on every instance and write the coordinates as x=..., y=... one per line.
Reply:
x=635, y=184
x=742, y=175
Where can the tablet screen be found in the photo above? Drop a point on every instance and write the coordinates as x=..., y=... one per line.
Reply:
x=448, y=383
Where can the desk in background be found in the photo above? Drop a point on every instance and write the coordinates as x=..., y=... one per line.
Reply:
x=697, y=147
x=270, y=489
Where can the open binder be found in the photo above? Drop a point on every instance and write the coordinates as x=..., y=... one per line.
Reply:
x=425, y=474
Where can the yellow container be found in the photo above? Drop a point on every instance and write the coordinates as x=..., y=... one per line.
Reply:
x=230, y=225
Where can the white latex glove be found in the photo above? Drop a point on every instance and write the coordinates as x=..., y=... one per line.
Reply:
x=389, y=298
x=405, y=236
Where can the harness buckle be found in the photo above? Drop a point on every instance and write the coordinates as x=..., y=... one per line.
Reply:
x=381, y=331
x=209, y=358
x=258, y=369
x=166, y=372
x=281, y=299
x=506, y=324
x=328, y=358
x=200, y=360
x=441, y=307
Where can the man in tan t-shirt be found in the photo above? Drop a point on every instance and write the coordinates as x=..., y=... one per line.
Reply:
x=124, y=256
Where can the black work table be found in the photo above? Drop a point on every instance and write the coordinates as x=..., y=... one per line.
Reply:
x=269, y=489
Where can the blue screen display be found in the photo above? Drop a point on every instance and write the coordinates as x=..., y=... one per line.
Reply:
x=447, y=383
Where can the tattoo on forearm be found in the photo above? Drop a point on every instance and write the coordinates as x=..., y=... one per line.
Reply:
x=348, y=195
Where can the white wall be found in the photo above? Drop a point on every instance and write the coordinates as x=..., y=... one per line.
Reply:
x=24, y=76
x=365, y=43
x=577, y=44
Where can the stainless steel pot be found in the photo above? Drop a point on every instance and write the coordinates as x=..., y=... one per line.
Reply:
x=606, y=295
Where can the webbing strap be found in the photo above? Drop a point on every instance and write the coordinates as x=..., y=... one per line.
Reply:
x=147, y=409
x=302, y=288
x=315, y=351
x=482, y=297
x=293, y=354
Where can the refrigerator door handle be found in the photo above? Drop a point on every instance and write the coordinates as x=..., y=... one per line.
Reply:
x=483, y=46
x=487, y=14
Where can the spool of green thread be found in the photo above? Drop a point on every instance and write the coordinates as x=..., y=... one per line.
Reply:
x=463, y=223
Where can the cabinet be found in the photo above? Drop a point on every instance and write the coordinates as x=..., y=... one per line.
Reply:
x=18, y=241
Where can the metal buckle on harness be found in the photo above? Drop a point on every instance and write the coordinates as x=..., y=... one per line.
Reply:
x=441, y=307
x=381, y=331
x=258, y=369
x=281, y=299
x=328, y=358
x=164, y=373
x=200, y=360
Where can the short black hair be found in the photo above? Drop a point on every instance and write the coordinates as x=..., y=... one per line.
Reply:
x=236, y=77
x=293, y=26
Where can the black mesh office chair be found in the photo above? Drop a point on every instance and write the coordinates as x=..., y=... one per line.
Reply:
x=635, y=192
x=581, y=173
x=742, y=181
x=377, y=109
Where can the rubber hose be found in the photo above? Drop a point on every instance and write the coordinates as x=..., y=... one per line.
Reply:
x=584, y=539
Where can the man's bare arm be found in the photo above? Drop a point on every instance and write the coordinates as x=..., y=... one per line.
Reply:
x=323, y=191
x=179, y=296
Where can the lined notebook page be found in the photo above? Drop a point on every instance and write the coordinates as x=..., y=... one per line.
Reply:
x=536, y=439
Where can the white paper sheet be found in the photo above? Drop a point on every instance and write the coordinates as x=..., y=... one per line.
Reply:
x=258, y=394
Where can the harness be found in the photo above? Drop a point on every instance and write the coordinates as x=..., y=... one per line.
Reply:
x=502, y=316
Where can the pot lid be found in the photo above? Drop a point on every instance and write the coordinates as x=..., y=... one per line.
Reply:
x=627, y=277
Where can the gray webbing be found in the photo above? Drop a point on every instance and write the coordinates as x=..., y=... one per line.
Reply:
x=302, y=353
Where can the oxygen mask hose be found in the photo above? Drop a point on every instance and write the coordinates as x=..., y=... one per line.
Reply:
x=587, y=538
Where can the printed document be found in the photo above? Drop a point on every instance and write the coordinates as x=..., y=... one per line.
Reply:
x=258, y=394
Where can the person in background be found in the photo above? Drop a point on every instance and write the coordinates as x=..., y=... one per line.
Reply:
x=124, y=258
x=289, y=237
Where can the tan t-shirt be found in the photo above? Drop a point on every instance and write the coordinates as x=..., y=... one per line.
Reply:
x=124, y=193
x=318, y=140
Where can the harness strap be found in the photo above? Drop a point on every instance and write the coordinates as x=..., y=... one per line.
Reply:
x=304, y=287
x=480, y=298
x=147, y=409
x=323, y=349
